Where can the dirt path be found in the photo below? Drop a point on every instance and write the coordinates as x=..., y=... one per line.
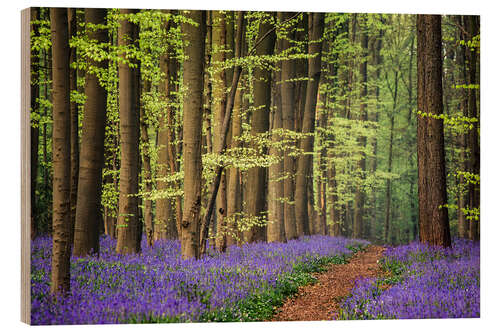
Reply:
x=320, y=301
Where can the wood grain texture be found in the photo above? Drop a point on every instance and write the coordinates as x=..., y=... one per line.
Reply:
x=25, y=166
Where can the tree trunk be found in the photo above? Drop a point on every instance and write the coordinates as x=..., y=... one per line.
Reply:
x=463, y=195
x=256, y=177
x=88, y=209
x=147, y=175
x=167, y=219
x=75, y=151
x=61, y=212
x=234, y=193
x=220, y=101
x=388, y=194
x=472, y=27
x=288, y=115
x=276, y=227
x=128, y=224
x=224, y=129
x=304, y=165
x=192, y=130
x=433, y=218
x=359, y=197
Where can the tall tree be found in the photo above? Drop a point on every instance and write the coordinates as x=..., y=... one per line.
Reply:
x=288, y=115
x=128, y=224
x=225, y=126
x=256, y=177
x=304, y=165
x=359, y=197
x=75, y=148
x=147, y=171
x=433, y=217
x=88, y=207
x=192, y=126
x=234, y=198
x=463, y=195
x=276, y=226
x=61, y=214
x=166, y=221
x=472, y=28
x=219, y=48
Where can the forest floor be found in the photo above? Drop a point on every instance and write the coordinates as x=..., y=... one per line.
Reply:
x=321, y=300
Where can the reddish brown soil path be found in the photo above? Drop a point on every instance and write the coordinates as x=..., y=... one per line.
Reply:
x=320, y=301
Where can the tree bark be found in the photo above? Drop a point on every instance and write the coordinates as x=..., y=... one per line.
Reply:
x=234, y=204
x=276, y=227
x=304, y=165
x=147, y=174
x=433, y=218
x=75, y=149
x=61, y=212
x=463, y=195
x=220, y=101
x=472, y=27
x=288, y=115
x=167, y=221
x=255, y=197
x=224, y=129
x=88, y=209
x=128, y=224
x=192, y=130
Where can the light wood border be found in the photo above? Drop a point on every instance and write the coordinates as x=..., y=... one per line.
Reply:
x=25, y=168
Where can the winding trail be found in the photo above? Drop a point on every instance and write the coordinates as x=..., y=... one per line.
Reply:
x=321, y=300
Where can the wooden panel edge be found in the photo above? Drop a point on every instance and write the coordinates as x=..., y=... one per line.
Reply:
x=25, y=168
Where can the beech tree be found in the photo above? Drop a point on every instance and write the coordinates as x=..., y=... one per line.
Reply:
x=192, y=125
x=433, y=214
x=288, y=116
x=256, y=177
x=304, y=164
x=88, y=202
x=166, y=221
x=128, y=225
x=61, y=210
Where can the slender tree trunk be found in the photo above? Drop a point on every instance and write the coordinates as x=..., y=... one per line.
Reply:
x=359, y=198
x=463, y=195
x=75, y=151
x=304, y=165
x=256, y=177
x=321, y=180
x=234, y=193
x=128, y=224
x=276, y=227
x=61, y=212
x=377, y=60
x=433, y=218
x=34, y=130
x=388, y=191
x=225, y=128
x=192, y=130
x=147, y=174
x=92, y=152
x=167, y=221
x=208, y=86
x=220, y=101
x=288, y=115
x=472, y=26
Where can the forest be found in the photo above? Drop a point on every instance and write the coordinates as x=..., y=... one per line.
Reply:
x=201, y=165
